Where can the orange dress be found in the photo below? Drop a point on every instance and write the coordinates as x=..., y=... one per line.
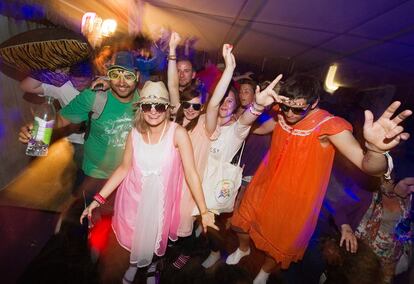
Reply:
x=281, y=205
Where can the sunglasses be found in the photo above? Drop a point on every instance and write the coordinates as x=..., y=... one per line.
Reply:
x=157, y=106
x=115, y=74
x=195, y=107
x=295, y=110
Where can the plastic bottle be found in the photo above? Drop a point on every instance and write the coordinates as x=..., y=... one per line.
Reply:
x=44, y=119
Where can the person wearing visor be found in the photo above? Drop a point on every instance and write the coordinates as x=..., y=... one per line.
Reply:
x=106, y=141
x=157, y=158
x=281, y=205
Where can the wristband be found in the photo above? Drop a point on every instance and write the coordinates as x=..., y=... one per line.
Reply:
x=172, y=57
x=390, y=167
x=254, y=111
x=100, y=199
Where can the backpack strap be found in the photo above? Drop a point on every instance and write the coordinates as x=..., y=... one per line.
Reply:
x=97, y=108
x=99, y=104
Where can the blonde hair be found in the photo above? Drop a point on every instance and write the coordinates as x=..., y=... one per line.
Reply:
x=139, y=122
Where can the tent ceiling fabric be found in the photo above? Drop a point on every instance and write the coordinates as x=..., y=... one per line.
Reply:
x=373, y=39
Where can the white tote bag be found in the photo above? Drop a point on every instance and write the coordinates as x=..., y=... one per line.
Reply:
x=221, y=183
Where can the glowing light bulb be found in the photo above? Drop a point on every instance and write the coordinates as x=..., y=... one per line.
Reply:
x=330, y=84
x=108, y=27
x=88, y=22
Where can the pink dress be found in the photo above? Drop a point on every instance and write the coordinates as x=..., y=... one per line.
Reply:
x=201, y=146
x=147, y=205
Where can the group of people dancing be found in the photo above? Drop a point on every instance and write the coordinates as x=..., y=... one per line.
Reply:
x=149, y=149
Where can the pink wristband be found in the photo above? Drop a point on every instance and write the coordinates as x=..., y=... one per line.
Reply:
x=99, y=198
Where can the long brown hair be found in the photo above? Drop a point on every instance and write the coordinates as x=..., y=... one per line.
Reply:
x=189, y=93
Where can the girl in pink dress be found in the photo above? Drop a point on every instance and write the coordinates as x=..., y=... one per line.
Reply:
x=147, y=204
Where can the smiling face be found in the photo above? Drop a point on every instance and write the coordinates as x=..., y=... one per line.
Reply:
x=153, y=117
x=190, y=113
x=185, y=73
x=246, y=94
x=295, y=110
x=123, y=83
x=229, y=105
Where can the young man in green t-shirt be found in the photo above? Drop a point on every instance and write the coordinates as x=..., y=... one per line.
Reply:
x=105, y=144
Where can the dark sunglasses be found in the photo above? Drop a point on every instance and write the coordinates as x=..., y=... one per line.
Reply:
x=187, y=105
x=158, y=107
x=295, y=110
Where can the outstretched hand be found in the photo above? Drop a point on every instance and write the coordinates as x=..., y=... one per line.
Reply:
x=228, y=56
x=174, y=40
x=385, y=133
x=268, y=95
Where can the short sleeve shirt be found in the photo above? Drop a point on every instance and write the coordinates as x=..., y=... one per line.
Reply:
x=106, y=142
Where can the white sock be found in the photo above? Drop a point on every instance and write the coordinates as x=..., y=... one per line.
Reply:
x=261, y=278
x=235, y=257
x=211, y=259
x=130, y=274
x=151, y=280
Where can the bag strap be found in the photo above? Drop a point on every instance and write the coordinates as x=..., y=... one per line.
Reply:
x=99, y=104
x=241, y=152
x=97, y=108
x=238, y=155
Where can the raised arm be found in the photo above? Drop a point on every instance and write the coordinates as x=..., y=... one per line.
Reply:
x=214, y=104
x=116, y=178
x=261, y=100
x=183, y=142
x=172, y=72
x=380, y=136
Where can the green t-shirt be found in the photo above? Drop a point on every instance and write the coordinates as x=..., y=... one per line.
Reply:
x=105, y=145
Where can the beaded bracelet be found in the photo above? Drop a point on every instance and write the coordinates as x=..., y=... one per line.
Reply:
x=100, y=199
x=254, y=111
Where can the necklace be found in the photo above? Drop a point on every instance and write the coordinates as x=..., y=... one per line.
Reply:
x=162, y=134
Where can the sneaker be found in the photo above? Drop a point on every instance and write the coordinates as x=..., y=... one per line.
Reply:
x=211, y=259
x=152, y=273
x=235, y=257
x=181, y=261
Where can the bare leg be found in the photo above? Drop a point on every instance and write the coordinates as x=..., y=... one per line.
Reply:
x=244, y=238
x=244, y=241
x=269, y=264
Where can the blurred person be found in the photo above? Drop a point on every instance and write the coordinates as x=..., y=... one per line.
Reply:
x=378, y=228
x=246, y=92
x=80, y=78
x=186, y=73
